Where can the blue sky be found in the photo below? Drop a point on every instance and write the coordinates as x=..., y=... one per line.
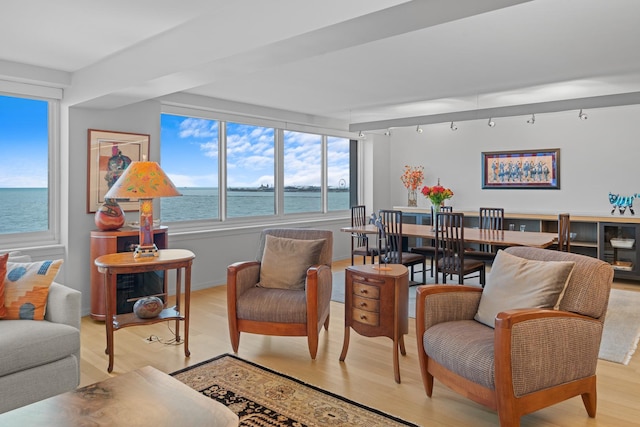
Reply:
x=190, y=154
x=189, y=151
x=23, y=142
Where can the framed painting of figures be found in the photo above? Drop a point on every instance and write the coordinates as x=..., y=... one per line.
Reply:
x=531, y=169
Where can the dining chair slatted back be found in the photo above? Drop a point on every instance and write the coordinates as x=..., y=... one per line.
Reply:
x=429, y=250
x=395, y=252
x=360, y=241
x=490, y=219
x=564, y=227
x=450, y=238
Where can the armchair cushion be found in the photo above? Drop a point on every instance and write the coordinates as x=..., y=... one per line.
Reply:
x=285, y=261
x=27, y=288
x=516, y=282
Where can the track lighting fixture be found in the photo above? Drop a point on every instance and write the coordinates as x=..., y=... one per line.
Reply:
x=388, y=132
x=418, y=129
x=491, y=123
x=453, y=126
x=361, y=135
x=582, y=116
x=532, y=120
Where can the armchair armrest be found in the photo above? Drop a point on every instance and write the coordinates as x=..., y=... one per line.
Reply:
x=242, y=276
x=318, y=288
x=540, y=348
x=444, y=303
x=63, y=305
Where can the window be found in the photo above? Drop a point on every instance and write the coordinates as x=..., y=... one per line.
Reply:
x=250, y=169
x=338, y=184
x=302, y=172
x=24, y=165
x=189, y=151
x=230, y=169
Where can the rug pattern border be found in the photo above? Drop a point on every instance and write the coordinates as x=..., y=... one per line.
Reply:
x=300, y=382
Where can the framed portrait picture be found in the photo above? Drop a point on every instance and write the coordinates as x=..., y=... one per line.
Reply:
x=533, y=169
x=110, y=153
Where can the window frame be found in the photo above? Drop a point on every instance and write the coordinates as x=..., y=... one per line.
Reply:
x=51, y=236
x=223, y=221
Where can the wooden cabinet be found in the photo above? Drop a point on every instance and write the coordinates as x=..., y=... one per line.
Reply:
x=129, y=286
x=377, y=304
x=618, y=247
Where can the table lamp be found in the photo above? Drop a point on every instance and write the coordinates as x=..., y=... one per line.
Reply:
x=145, y=181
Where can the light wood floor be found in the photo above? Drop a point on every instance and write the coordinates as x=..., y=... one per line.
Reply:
x=366, y=376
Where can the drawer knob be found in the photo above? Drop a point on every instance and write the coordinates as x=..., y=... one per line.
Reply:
x=363, y=304
x=363, y=291
x=363, y=317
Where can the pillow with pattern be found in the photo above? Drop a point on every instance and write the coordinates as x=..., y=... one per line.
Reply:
x=26, y=288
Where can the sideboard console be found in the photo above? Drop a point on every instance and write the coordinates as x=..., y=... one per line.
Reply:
x=593, y=234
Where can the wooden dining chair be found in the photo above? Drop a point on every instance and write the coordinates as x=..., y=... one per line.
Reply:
x=360, y=241
x=488, y=219
x=429, y=250
x=564, y=227
x=395, y=252
x=452, y=259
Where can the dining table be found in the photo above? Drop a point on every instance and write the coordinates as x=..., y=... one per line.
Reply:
x=537, y=239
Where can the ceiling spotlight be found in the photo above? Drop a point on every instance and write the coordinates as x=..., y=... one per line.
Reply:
x=418, y=129
x=388, y=132
x=491, y=123
x=453, y=126
x=582, y=116
x=361, y=135
x=532, y=120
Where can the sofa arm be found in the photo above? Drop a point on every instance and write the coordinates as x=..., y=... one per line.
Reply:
x=541, y=348
x=444, y=303
x=63, y=305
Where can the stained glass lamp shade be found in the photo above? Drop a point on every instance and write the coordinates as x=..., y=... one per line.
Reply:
x=144, y=181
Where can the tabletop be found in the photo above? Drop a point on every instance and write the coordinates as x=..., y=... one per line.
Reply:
x=536, y=239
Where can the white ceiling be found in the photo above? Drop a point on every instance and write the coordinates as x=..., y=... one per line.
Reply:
x=369, y=64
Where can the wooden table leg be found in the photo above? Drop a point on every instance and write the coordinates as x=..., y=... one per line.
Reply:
x=345, y=343
x=187, y=307
x=178, y=294
x=396, y=361
x=109, y=292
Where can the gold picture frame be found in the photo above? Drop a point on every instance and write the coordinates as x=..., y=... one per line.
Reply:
x=109, y=154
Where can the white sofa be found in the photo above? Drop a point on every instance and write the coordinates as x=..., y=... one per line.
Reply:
x=39, y=359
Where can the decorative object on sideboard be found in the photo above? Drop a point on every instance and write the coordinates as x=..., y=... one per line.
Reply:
x=145, y=181
x=109, y=216
x=621, y=203
x=148, y=307
x=412, y=179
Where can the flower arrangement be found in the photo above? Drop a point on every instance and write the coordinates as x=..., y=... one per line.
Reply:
x=437, y=194
x=412, y=177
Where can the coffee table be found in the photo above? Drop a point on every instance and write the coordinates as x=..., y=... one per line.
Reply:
x=144, y=397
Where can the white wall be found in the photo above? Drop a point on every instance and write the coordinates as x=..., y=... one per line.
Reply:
x=597, y=156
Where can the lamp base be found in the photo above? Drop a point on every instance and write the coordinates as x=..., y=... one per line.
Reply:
x=145, y=251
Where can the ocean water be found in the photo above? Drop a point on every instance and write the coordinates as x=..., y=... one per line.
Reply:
x=24, y=209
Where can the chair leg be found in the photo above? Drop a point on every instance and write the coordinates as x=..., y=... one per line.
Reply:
x=312, y=339
x=235, y=338
x=326, y=323
x=590, y=401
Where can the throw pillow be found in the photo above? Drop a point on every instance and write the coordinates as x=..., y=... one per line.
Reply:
x=515, y=282
x=285, y=261
x=3, y=273
x=27, y=288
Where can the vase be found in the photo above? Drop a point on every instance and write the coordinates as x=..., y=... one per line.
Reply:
x=109, y=216
x=435, y=210
x=413, y=198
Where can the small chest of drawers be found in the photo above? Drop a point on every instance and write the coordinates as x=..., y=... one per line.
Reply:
x=377, y=304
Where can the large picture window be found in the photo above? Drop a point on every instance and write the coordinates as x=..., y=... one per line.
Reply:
x=24, y=165
x=227, y=169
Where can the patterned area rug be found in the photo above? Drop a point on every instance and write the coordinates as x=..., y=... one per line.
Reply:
x=265, y=398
